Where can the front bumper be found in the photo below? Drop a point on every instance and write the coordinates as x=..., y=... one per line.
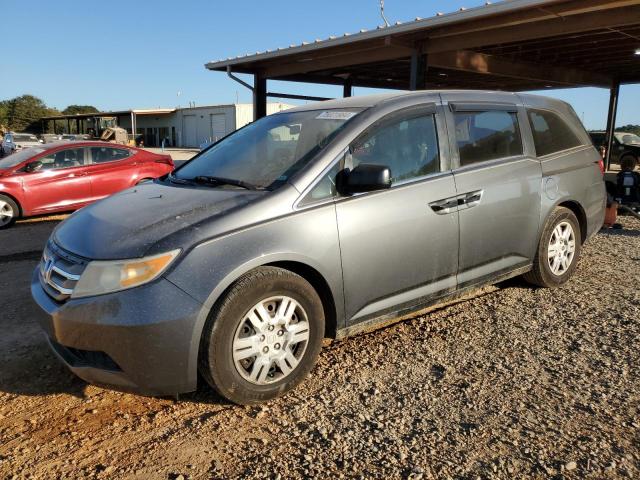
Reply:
x=143, y=340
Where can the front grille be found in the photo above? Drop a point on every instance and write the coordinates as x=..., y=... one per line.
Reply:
x=60, y=272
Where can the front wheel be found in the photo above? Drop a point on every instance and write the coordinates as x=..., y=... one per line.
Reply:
x=558, y=250
x=9, y=212
x=263, y=337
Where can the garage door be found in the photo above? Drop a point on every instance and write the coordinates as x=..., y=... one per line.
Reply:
x=189, y=131
x=218, y=126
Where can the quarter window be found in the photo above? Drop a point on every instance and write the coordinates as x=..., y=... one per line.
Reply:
x=550, y=133
x=487, y=135
x=408, y=145
x=108, y=154
x=325, y=188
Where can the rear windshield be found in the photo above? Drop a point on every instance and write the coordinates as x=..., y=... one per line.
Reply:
x=19, y=157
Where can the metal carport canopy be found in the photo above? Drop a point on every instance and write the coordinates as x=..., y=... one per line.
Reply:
x=513, y=45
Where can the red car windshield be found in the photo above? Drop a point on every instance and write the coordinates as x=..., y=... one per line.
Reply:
x=19, y=157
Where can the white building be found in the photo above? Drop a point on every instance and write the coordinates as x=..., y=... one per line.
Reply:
x=190, y=127
x=179, y=127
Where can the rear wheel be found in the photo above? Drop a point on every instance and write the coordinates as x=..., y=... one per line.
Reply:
x=264, y=336
x=9, y=211
x=558, y=250
x=630, y=161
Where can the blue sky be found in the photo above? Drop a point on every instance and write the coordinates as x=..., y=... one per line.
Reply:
x=140, y=54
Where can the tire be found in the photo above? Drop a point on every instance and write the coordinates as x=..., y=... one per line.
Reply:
x=562, y=227
x=9, y=212
x=242, y=357
x=629, y=157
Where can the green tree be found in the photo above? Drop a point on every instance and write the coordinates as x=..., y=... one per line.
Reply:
x=627, y=128
x=75, y=109
x=23, y=113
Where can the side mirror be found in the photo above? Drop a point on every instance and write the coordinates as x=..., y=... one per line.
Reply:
x=33, y=166
x=365, y=177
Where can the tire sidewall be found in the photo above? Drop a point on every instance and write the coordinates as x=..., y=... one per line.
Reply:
x=16, y=211
x=635, y=159
x=221, y=367
x=559, y=216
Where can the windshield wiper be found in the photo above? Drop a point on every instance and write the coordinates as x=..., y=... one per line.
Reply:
x=182, y=181
x=208, y=180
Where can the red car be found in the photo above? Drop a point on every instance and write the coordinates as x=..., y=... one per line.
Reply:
x=61, y=177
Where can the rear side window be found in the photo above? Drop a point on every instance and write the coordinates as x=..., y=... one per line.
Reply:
x=108, y=154
x=487, y=135
x=551, y=134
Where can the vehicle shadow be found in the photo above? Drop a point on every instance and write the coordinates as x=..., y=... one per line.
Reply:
x=33, y=370
x=623, y=232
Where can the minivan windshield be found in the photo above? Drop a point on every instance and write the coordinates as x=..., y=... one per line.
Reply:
x=266, y=153
x=19, y=157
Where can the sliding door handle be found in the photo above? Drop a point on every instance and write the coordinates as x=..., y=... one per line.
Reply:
x=471, y=199
x=442, y=207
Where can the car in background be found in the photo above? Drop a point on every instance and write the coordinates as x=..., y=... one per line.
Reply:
x=50, y=137
x=13, y=142
x=625, y=144
x=61, y=177
x=70, y=137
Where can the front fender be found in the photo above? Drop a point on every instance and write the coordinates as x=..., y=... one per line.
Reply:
x=308, y=237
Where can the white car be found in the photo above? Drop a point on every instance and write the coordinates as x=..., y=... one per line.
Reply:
x=13, y=142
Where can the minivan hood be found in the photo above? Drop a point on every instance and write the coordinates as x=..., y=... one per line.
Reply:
x=128, y=223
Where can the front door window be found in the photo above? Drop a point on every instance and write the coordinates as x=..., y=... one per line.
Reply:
x=72, y=157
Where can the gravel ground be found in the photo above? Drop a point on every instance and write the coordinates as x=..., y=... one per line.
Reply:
x=515, y=383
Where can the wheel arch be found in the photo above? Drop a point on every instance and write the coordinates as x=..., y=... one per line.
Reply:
x=320, y=285
x=580, y=214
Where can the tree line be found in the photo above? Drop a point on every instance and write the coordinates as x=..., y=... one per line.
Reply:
x=23, y=114
x=630, y=129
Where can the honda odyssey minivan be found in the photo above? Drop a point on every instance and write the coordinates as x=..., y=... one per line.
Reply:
x=320, y=221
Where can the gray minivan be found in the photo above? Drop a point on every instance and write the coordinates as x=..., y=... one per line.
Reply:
x=320, y=221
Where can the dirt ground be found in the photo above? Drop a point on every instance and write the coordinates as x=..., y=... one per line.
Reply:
x=516, y=383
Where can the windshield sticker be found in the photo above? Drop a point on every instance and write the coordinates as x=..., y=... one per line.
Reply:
x=335, y=115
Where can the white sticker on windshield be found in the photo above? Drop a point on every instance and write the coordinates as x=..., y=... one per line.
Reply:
x=335, y=115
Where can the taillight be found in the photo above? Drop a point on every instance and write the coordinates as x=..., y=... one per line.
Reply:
x=601, y=165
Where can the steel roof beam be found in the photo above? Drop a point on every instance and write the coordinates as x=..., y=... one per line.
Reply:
x=493, y=65
x=448, y=39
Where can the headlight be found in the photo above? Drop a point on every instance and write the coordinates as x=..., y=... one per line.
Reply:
x=102, y=277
